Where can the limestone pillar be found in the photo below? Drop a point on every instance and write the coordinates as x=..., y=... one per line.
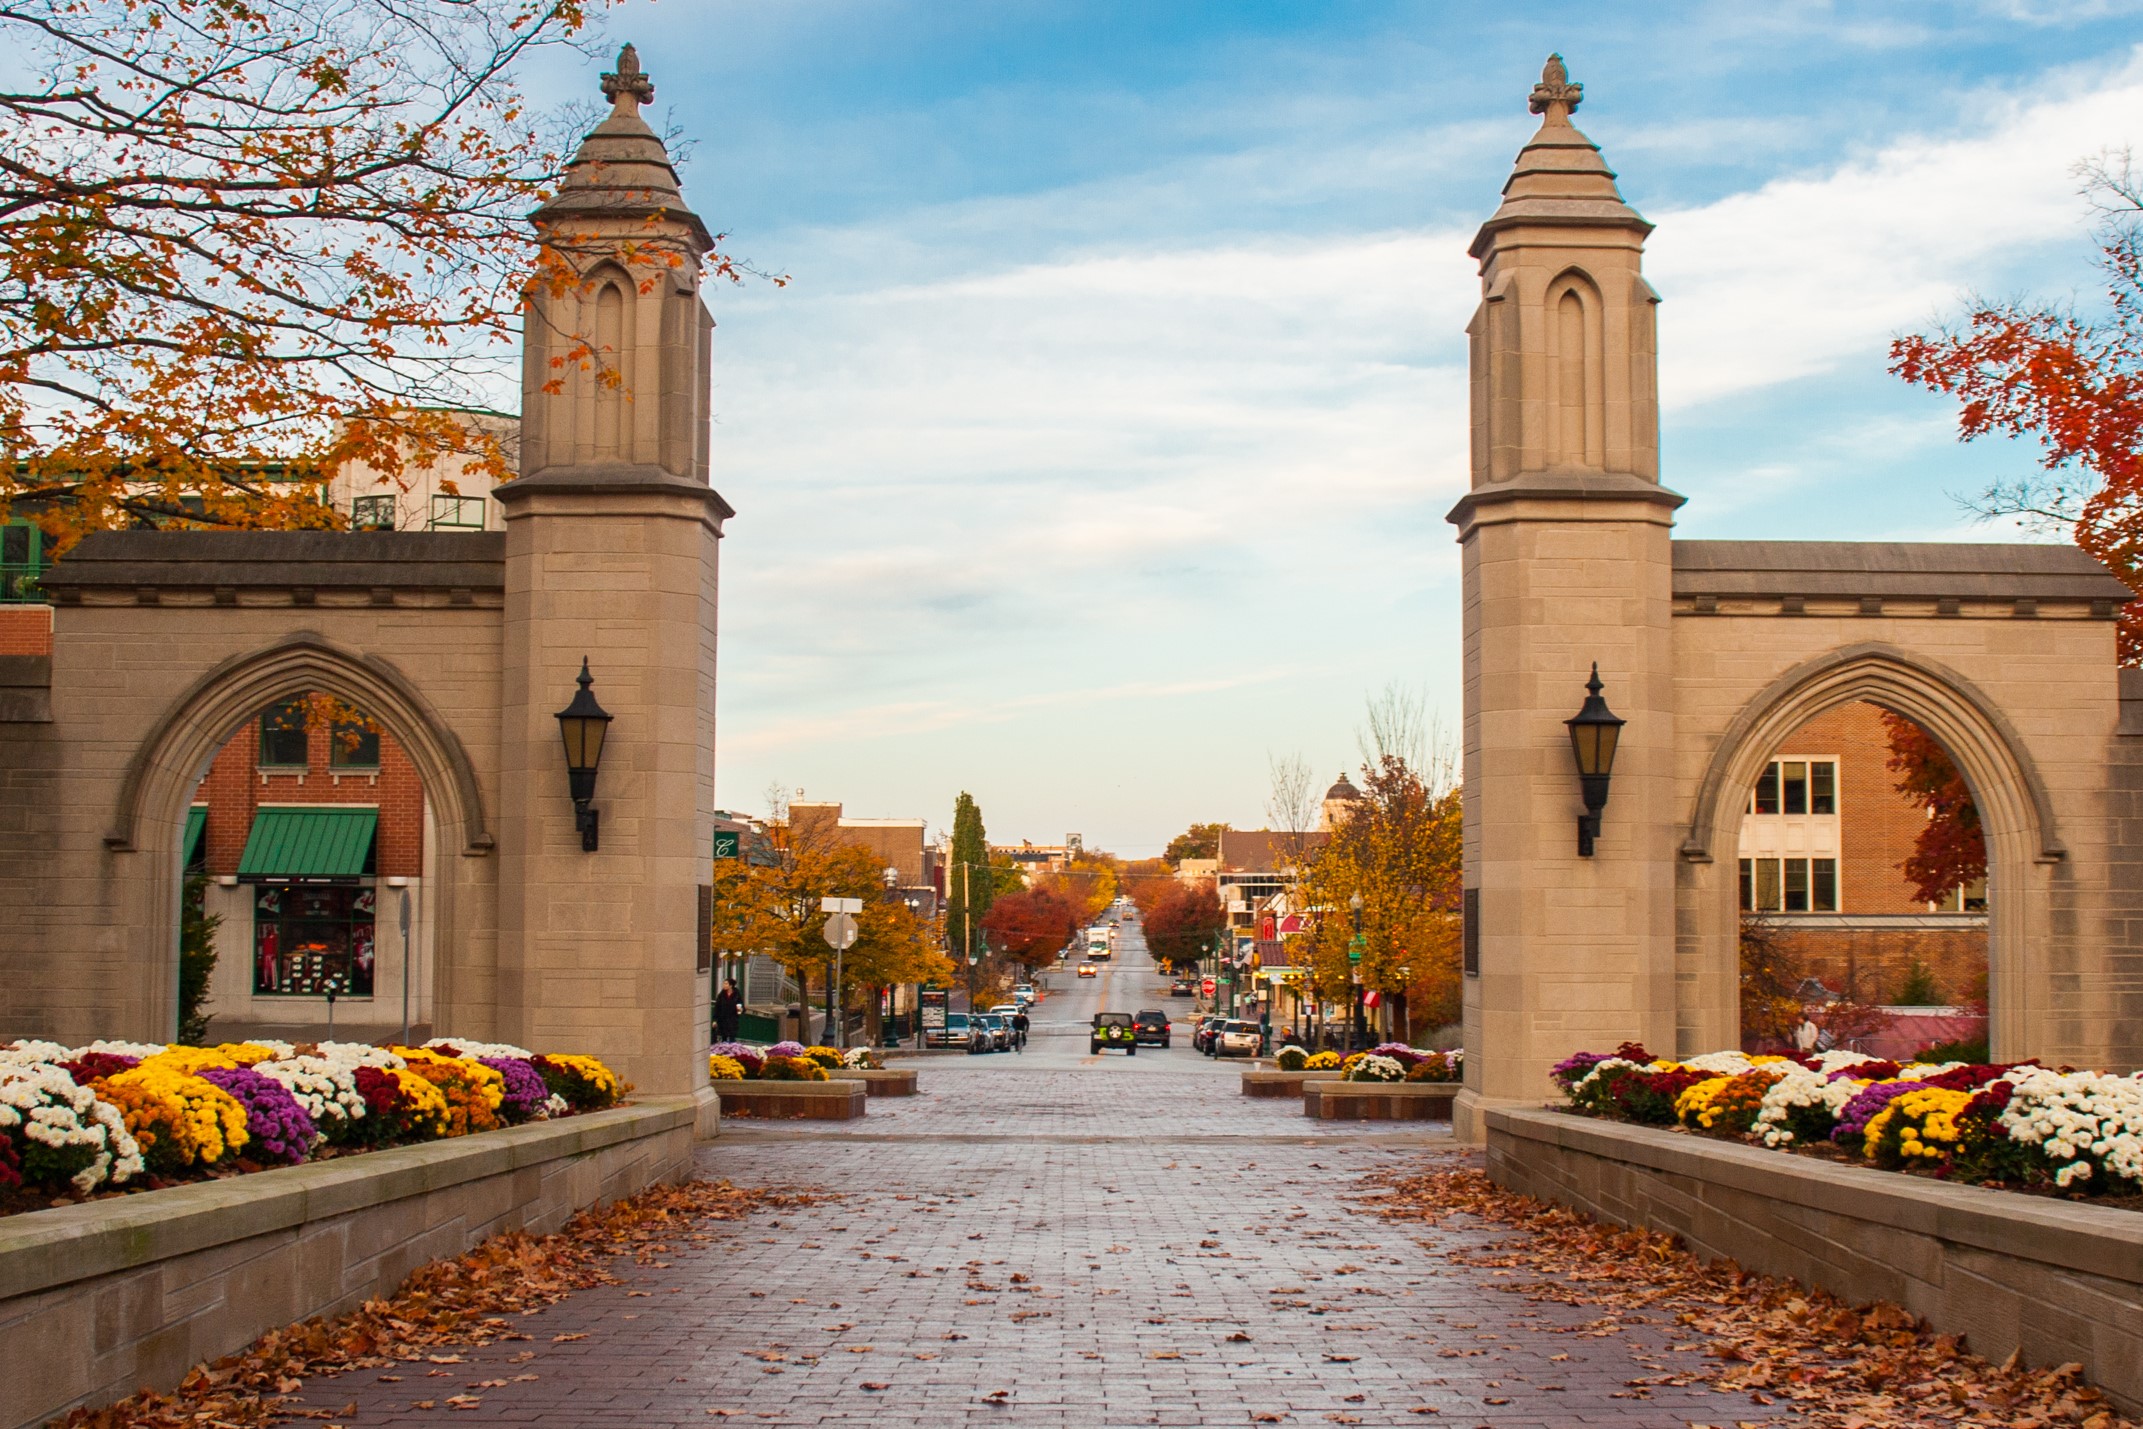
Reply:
x=611, y=534
x=1565, y=555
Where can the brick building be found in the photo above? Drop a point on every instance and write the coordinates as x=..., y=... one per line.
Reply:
x=309, y=831
x=1822, y=845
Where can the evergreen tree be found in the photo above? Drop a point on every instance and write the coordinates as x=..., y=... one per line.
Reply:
x=969, y=886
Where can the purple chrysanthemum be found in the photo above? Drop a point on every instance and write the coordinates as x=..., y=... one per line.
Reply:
x=525, y=1092
x=277, y=1128
x=1854, y=1116
x=786, y=1049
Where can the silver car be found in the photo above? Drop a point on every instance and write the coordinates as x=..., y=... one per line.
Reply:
x=1238, y=1039
x=1000, y=1030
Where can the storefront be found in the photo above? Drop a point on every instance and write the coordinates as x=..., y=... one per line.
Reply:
x=311, y=871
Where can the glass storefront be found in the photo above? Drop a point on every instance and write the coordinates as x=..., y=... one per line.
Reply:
x=309, y=937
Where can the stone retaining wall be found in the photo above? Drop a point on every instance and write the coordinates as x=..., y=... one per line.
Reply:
x=881, y=1081
x=809, y=1101
x=1379, y=1101
x=101, y=1299
x=1271, y=1082
x=2056, y=1280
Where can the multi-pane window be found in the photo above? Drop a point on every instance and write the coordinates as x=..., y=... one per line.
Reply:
x=309, y=939
x=457, y=513
x=354, y=745
x=372, y=513
x=1967, y=898
x=25, y=552
x=283, y=736
x=1796, y=786
x=1789, y=885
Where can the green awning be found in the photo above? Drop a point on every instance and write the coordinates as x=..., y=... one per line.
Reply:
x=313, y=841
x=196, y=825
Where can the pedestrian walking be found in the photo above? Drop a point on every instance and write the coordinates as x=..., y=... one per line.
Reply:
x=728, y=1011
x=1019, y=1031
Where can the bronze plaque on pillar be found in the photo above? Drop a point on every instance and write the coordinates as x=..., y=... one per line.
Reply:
x=1470, y=930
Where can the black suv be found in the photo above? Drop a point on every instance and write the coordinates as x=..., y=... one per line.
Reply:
x=1113, y=1029
x=1151, y=1028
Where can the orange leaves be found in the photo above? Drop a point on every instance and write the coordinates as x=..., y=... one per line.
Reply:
x=446, y=1303
x=1821, y=1360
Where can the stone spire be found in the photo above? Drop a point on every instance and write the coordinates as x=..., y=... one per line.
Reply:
x=622, y=169
x=1560, y=177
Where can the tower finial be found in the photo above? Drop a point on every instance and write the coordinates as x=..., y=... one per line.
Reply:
x=1555, y=98
x=628, y=89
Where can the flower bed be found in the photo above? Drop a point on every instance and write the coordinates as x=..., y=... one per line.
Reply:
x=783, y=1062
x=2017, y=1125
x=127, y=1116
x=1390, y=1062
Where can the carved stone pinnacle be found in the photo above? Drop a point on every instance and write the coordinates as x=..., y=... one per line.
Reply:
x=1555, y=97
x=628, y=87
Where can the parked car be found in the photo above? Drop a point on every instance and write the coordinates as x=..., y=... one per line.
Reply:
x=1023, y=994
x=1180, y=988
x=955, y=1032
x=1202, y=1036
x=1113, y=1031
x=1151, y=1026
x=999, y=1028
x=1238, y=1039
x=1089, y=970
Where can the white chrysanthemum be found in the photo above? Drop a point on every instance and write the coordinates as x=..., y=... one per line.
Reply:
x=480, y=1050
x=52, y=1110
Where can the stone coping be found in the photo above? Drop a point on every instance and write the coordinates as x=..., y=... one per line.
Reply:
x=1922, y=569
x=42, y=1249
x=881, y=1081
x=1272, y=1082
x=325, y=559
x=2098, y=1240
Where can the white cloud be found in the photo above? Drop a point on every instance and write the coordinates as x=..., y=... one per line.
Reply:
x=1787, y=281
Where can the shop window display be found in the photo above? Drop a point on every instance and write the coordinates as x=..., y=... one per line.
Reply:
x=308, y=938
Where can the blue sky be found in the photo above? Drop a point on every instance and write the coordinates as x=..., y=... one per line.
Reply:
x=1099, y=448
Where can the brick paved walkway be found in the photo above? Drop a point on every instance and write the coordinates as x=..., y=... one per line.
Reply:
x=1058, y=1240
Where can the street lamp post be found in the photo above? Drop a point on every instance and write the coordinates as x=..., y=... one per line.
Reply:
x=1595, y=730
x=1360, y=1031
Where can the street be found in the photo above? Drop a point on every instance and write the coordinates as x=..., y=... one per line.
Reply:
x=1055, y=1239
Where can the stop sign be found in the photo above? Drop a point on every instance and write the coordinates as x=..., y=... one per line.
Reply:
x=1208, y=986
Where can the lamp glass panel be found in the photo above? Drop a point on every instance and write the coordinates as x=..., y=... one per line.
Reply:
x=1584, y=743
x=1610, y=736
x=592, y=741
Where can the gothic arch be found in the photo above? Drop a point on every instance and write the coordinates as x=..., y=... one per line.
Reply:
x=2015, y=811
x=164, y=770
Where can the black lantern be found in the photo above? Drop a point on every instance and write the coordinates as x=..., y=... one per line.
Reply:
x=1594, y=732
x=584, y=723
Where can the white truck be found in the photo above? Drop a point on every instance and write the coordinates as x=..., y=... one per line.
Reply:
x=1100, y=942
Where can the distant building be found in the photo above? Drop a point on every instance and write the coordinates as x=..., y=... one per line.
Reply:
x=1037, y=861
x=1339, y=802
x=900, y=844
x=1823, y=841
x=431, y=496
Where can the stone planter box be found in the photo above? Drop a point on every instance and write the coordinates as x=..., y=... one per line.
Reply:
x=1379, y=1101
x=881, y=1081
x=2056, y=1280
x=809, y=1101
x=101, y=1299
x=1271, y=1082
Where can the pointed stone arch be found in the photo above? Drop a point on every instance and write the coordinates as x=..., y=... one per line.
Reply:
x=2015, y=809
x=1575, y=324
x=149, y=812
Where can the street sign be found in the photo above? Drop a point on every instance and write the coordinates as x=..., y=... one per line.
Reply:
x=840, y=931
x=1207, y=985
x=840, y=905
x=1354, y=948
x=728, y=843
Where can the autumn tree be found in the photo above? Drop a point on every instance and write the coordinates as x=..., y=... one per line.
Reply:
x=1197, y=841
x=1181, y=926
x=1950, y=850
x=1146, y=882
x=1400, y=852
x=775, y=910
x=243, y=242
x=1031, y=926
x=1088, y=883
x=2070, y=380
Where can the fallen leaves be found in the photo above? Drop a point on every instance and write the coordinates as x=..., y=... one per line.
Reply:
x=1838, y=1366
x=442, y=1306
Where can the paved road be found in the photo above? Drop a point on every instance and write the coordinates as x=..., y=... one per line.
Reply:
x=1060, y=1240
